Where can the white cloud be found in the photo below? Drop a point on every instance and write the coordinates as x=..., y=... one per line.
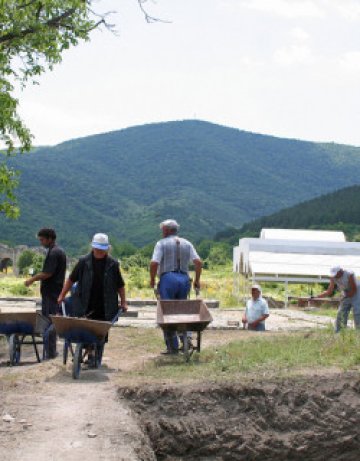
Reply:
x=287, y=8
x=293, y=55
x=349, y=9
x=350, y=61
x=300, y=34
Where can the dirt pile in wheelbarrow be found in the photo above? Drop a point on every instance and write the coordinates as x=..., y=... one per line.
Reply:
x=313, y=419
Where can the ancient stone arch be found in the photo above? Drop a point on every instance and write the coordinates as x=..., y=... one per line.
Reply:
x=8, y=254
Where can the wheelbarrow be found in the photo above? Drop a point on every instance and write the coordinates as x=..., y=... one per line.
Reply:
x=183, y=316
x=86, y=334
x=18, y=327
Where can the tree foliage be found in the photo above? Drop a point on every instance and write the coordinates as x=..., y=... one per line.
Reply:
x=33, y=36
x=339, y=210
x=30, y=260
x=206, y=176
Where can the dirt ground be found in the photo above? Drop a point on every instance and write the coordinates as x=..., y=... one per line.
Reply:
x=312, y=419
x=109, y=414
x=53, y=417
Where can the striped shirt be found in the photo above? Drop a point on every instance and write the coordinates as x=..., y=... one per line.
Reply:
x=166, y=254
x=343, y=284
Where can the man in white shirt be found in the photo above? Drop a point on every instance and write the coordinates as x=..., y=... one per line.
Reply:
x=257, y=310
x=170, y=262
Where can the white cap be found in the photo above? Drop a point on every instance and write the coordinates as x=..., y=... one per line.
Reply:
x=256, y=287
x=334, y=270
x=100, y=242
x=170, y=223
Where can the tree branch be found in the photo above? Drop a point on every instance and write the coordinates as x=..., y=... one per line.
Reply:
x=148, y=18
x=54, y=23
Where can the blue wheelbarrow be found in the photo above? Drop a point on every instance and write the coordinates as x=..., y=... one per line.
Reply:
x=87, y=335
x=22, y=328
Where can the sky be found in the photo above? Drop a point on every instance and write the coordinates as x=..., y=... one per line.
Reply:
x=289, y=68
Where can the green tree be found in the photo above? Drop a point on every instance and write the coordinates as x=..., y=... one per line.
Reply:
x=219, y=255
x=25, y=260
x=29, y=259
x=33, y=36
x=123, y=250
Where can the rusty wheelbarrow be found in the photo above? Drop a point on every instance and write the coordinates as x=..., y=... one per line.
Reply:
x=183, y=316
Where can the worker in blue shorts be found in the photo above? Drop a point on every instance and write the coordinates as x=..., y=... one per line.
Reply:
x=170, y=262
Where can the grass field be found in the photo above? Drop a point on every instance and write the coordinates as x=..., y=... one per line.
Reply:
x=330, y=312
x=217, y=283
x=261, y=355
x=14, y=286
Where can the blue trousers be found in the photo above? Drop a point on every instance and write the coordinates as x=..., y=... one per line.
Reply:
x=343, y=313
x=173, y=285
x=259, y=327
x=50, y=307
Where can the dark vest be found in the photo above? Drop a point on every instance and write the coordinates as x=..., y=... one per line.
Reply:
x=83, y=290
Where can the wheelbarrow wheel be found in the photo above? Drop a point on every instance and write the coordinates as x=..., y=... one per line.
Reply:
x=14, y=350
x=99, y=349
x=187, y=352
x=65, y=352
x=77, y=361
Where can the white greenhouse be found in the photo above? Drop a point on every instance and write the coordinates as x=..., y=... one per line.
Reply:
x=292, y=256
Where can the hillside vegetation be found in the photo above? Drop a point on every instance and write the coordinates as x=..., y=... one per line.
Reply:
x=339, y=210
x=207, y=176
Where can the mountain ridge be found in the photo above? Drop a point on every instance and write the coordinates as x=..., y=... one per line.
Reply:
x=207, y=176
x=338, y=210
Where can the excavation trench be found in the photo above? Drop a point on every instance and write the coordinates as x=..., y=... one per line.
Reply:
x=315, y=419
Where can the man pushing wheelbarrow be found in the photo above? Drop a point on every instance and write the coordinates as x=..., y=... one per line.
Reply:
x=99, y=286
x=170, y=261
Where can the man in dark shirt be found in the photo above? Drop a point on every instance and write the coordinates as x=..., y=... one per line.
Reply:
x=99, y=282
x=51, y=279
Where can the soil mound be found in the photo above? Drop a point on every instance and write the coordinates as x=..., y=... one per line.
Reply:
x=312, y=419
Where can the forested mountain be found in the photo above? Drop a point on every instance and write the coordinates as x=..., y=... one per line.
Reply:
x=207, y=176
x=339, y=210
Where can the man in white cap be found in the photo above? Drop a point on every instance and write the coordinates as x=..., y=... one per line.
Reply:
x=99, y=283
x=170, y=261
x=257, y=310
x=346, y=282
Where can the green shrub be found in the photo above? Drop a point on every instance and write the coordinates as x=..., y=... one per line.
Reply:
x=29, y=259
x=19, y=290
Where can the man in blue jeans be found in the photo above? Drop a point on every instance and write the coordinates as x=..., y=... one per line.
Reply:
x=170, y=261
x=346, y=282
x=257, y=310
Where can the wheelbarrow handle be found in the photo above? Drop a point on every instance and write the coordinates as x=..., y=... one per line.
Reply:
x=119, y=313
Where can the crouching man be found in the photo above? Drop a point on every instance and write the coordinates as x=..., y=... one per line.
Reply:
x=347, y=283
x=257, y=310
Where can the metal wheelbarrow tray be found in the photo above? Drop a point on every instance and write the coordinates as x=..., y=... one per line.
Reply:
x=82, y=332
x=182, y=316
x=17, y=326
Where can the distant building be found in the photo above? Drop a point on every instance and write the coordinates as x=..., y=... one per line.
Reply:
x=292, y=256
